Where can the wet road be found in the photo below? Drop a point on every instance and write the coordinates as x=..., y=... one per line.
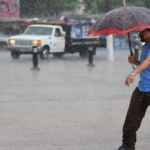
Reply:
x=66, y=105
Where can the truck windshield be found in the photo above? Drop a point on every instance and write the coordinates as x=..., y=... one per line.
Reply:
x=38, y=30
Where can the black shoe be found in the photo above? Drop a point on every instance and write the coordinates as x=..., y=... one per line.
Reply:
x=124, y=147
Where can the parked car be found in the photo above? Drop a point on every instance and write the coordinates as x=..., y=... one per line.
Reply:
x=3, y=41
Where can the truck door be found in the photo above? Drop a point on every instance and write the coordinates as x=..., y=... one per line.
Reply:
x=59, y=43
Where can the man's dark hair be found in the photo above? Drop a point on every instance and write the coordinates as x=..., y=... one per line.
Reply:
x=148, y=29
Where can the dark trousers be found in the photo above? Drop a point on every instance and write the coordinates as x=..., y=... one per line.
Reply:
x=137, y=109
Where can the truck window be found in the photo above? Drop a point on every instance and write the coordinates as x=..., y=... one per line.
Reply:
x=48, y=31
x=38, y=30
x=57, y=32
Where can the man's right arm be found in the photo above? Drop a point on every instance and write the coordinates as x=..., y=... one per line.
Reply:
x=132, y=60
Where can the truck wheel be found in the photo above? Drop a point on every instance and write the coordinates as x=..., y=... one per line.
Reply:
x=58, y=55
x=15, y=55
x=45, y=53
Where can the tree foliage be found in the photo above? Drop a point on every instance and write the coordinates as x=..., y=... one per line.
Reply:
x=101, y=6
x=45, y=8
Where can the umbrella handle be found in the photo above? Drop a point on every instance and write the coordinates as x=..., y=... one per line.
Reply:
x=130, y=44
x=130, y=49
x=133, y=66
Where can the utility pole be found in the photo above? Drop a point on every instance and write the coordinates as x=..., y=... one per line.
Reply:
x=124, y=2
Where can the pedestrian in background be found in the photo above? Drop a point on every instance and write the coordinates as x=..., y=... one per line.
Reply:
x=140, y=99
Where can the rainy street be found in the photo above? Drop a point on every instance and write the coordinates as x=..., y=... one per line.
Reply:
x=67, y=105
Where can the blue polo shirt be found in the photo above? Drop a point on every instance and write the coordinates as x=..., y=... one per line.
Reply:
x=144, y=83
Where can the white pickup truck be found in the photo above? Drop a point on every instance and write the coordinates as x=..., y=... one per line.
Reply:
x=50, y=39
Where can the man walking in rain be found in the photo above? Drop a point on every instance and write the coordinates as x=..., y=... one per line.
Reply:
x=140, y=99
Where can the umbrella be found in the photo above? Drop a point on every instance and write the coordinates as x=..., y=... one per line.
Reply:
x=121, y=21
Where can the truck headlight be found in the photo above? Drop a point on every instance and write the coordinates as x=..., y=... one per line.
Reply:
x=36, y=42
x=11, y=41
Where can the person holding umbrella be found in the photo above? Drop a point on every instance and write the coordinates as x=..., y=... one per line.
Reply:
x=123, y=21
x=140, y=99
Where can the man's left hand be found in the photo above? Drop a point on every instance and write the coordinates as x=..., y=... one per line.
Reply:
x=129, y=79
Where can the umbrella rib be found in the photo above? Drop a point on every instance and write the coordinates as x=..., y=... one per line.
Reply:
x=135, y=18
x=122, y=24
x=116, y=19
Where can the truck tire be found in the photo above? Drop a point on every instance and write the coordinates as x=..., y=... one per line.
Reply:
x=15, y=54
x=45, y=53
x=58, y=55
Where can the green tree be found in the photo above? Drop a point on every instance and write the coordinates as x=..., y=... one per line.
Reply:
x=147, y=3
x=88, y=4
x=140, y=3
x=46, y=8
x=98, y=6
x=101, y=6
